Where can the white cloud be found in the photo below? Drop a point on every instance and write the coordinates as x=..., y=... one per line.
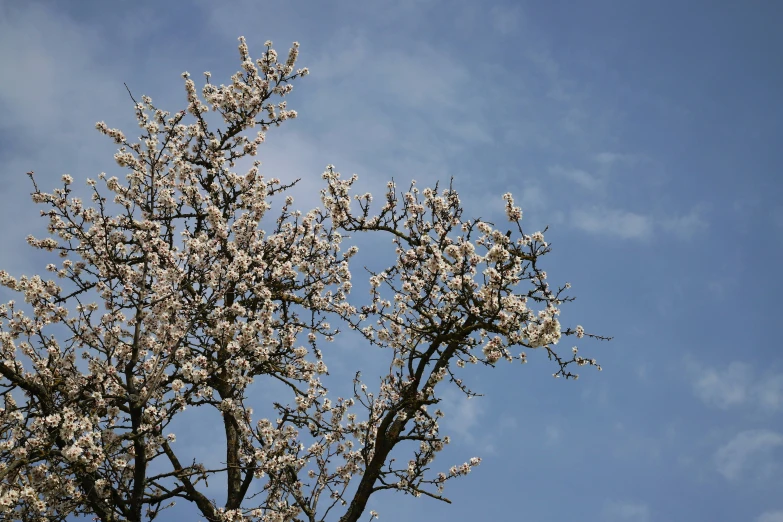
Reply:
x=612, y=222
x=745, y=448
x=461, y=421
x=623, y=511
x=461, y=414
x=769, y=392
x=54, y=88
x=54, y=73
x=580, y=177
x=686, y=226
x=608, y=159
x=624, y=224
x=532, y=197
x=770, y=516
x=559, y=89
x=724, y=388
x=736, y=385
x=441, y=87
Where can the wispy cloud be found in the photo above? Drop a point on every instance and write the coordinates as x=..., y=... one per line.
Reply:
x=462, y=413
x=686, y=225
x=612, y=222
x=770, y=516
x=724, y=388
x=770, y=392
x=464, y=421
x=609, y=159
x=578, y=176
x=625, y=511
x=736, y=385
x=52, y=83
x=623, y=224
x=55, y=58
x=746, y=448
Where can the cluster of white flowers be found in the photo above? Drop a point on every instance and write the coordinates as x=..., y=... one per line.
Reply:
x=513, y=213
x=200, y=302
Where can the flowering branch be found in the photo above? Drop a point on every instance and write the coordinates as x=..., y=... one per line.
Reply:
x=198, y=302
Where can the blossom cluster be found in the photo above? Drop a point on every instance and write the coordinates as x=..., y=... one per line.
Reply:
x=185, y=282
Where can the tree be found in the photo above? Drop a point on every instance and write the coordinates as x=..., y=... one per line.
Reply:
x=173, y=296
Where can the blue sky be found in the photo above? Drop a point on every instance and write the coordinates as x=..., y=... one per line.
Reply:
x=646, y=134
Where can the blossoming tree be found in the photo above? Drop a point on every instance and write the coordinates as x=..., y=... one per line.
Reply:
x=173, y=296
